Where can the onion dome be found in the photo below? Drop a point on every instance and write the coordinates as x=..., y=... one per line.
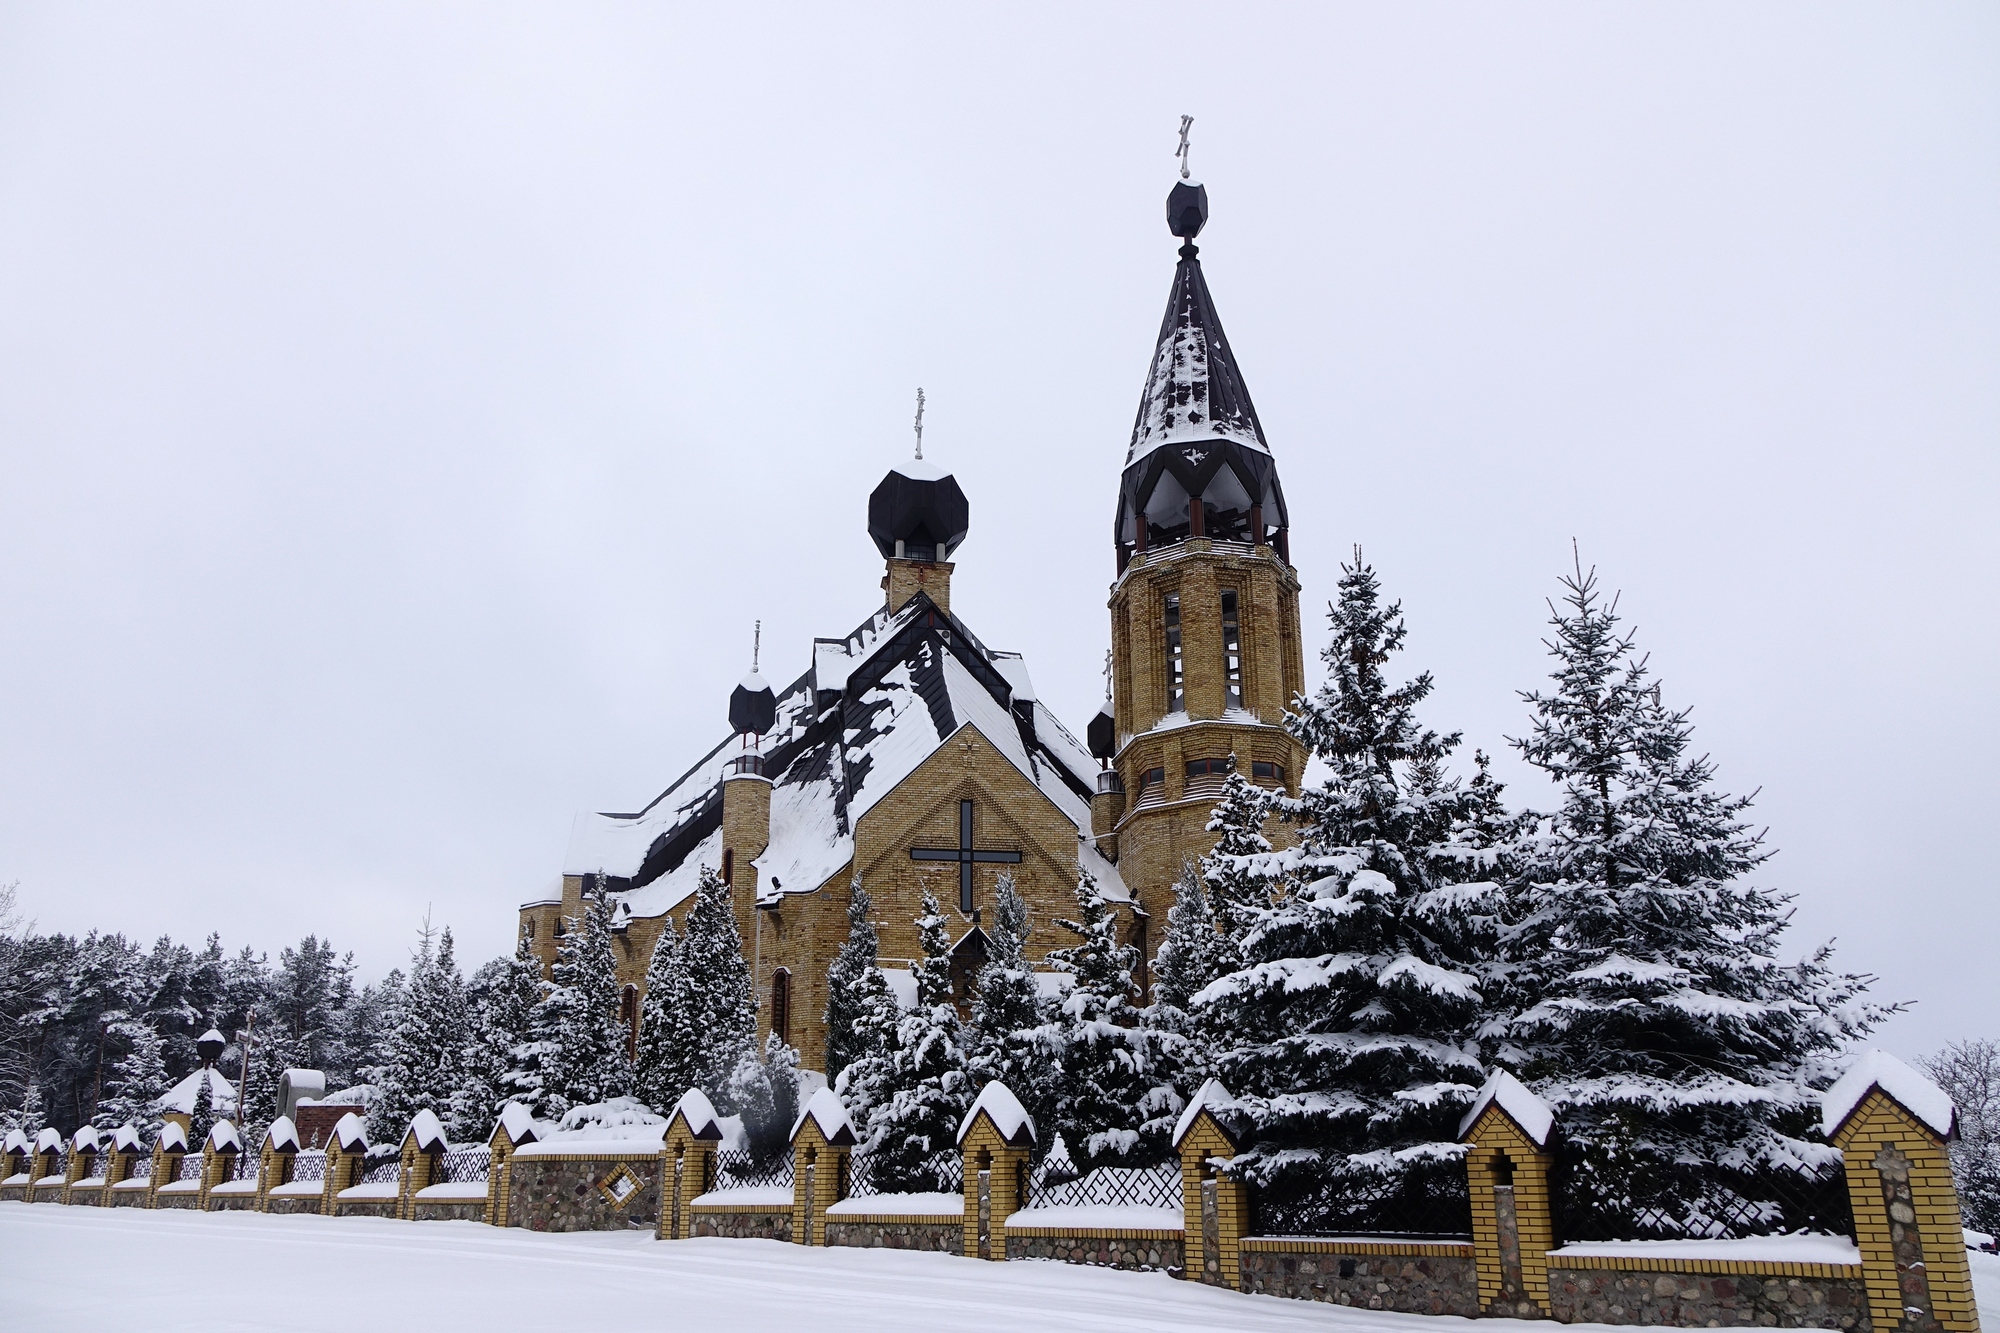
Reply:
x=918, y=513
x=753, y=707
x=1102, y=733
x=1197, y=433
x=209, y=1046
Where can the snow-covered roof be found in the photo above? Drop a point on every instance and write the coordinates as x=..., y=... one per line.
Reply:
x=1535, y=1117
x=222, y=1137
x=49, y=1140
x=698, y=1112
x=17, y=1141
x=1911, y=1090
x=180, y=1097
x=351, y=1133
x=1194, y=390
x=85, y=1139
x=873, y=706
x=520, y=1124
x=213, y=1034
x=826, y=1111
x=283, y=1135
x=361, y=1094
x=1211, y=1097
x=173, y=1138
x=1004, y=1109
x=427, y=1130
x=125, y=1138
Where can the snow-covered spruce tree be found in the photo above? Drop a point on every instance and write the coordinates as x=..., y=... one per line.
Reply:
x=204, y=1115
x=138, y=1081
x=1239, y=878
x=1681, y=1055
x=1347, y=1033
x=860, y=1012
x=781, y=1068
x=1194, y=952
x=1116, y=1104
x=425, y=1065
x=723, y=1018
x=580, y=1015
x=271, y=1056
x=32, y=1117
x=922, y=1091
x=1009, y=1038
x=672, y=1057
x=508, y=988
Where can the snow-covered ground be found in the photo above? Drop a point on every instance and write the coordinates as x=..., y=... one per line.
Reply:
x=79, y=1270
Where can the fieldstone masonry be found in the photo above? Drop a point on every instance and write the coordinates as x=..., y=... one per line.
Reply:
x=1626, y=1295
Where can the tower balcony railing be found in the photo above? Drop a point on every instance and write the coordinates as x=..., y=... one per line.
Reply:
x=745, y=766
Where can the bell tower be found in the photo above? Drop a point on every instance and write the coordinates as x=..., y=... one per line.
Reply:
x=1205, y=612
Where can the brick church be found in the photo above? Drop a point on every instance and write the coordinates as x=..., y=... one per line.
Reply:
x=910, y=755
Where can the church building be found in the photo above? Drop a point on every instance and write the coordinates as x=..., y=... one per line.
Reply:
x=910, y=755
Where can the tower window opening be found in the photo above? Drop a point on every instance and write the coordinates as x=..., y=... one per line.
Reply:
x=1232, y=651
x=781, y=1004
x=728, y=865
x=1203, y=767
x=1176, y=667
x=1152, y=777
x=628, y=1014
x=1267, y=772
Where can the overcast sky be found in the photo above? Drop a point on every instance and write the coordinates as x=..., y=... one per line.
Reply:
x=405, y=412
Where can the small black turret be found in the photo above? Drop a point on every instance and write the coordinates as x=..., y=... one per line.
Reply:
x=918, y=513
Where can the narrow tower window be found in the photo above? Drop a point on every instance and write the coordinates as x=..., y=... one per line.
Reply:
x=1176, y=669
x=781, y=1004
x=1232, y=651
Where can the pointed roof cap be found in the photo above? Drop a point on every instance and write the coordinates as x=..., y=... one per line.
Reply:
x=1194, y=390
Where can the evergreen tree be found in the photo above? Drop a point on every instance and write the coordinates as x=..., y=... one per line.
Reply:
x=1348, y=1029
x=1652, y=1012
x=371, y=1020
x=588, y=1061
x=1970, y=1072
x=426, y=1055
x=921, y=1092
x=1010, y=1039
x=781, y=1070
x=137, y=1082
x=724, y=1019
x=308, y=997
x=860, y=1012
x=32, y=1118
x=1194, y=952
x=1237, y=874
x=672, y=1056
x=1112, y=1071
x=204, y=1115
x=508, y=990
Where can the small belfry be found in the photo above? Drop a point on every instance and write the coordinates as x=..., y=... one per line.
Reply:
x=1205, y=637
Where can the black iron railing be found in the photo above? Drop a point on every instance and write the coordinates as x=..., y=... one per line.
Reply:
x=1420, y=1199
x=1107, y=1187
x=142, y=1168
x=465, y=1165
x=309, y=1164
x=863, y=1176
x=190, y=1167
x=1705, y=1203
x=735, y=1170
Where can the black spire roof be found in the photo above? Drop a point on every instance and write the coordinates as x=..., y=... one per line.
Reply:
x=1197, y=433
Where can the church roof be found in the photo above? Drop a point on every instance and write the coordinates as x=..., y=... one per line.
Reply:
x=1194, y=390
x=871, y=708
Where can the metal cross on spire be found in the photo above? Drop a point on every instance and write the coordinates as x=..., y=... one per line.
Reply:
x=1182, y=151
x=920, y=423
x=756, y=644
x=1107, y=673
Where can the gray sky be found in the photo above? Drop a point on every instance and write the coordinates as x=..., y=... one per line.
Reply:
x=404, y=412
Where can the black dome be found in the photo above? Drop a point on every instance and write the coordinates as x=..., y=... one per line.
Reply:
x=1187, y=209
x=752, y=706
x=1102, y=733
x=929, y=515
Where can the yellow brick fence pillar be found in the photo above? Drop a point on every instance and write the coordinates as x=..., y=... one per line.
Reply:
x=1507, y=1135
x=276, y=1157
x=119, y=1157
x=821, y=1142
x=346, y=1160
x=423, y=1148
x=168, y=1150
x=686, y=1155
x=1891, y=1125
x=83, y=1159
x=1215, y=1209
x=997, y=1141
x=515, y=1129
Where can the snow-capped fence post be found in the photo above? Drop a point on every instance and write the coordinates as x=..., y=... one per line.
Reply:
x=83, y=1159
x=423, y=1145
x=997, y=1138
x=1215, y=1208
x=514, y=1129
x=822, y=1140
x=276, y=1157
x=218, y=1159
x=119, y=1156
x=687, y=1154
x=46, y=1163
x=1507, y=1163
x=168, y=1150
x=1891, y=1125
x=346, y=1161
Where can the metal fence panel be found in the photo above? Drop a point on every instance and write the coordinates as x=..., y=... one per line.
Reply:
x=735, y=1170
x=309, y=1165
x=1707, y=1205
x=1108, y=1187
x=1427, y=1199
x=863, y=1177
x=466, y=1164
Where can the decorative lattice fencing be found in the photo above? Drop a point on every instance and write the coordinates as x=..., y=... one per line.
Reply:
x=309, y=1165
x=1055, y=1184
x=863, y=1176
x=1425, y=1199
x=464, y=1164
x=1629, y=1205
x=190, y=1167
x=142, y=1168
x=735, y=1170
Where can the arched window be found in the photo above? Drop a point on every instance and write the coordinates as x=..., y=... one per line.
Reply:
x=628, y=1014
x=728, y=865
x=781, y=1004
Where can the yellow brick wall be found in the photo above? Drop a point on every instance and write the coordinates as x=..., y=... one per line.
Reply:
x=906, y=577
x=1004, y=1162
x=1494, y=1133
x=1205, y=1139
x=810, y=1150
x=1879, y=1122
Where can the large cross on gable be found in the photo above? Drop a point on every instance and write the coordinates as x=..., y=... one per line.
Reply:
x=966, y=855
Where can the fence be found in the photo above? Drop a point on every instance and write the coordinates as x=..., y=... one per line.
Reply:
x=1427, y=1199
x=309, y=1165
x=190, y=1167
x=464, y=1164
x=865, y=1175
x=382, y=1170
x=1107, y=1187
x=244, y=1167
x=731, y=1170
x=142, y=1168
x=1600, y=1205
